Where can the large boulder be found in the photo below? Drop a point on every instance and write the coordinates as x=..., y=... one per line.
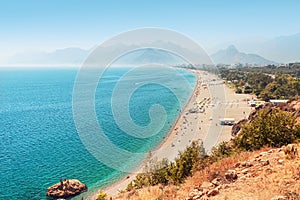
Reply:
x=66, y=189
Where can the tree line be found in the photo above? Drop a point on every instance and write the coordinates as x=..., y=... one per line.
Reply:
x=275, y=85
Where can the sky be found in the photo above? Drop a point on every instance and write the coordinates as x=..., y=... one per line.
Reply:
x=47, y=25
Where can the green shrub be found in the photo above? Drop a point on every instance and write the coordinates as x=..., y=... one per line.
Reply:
x=186, y=162
x=164, y=172
x=101, y=195
x=223, y=150
x=273, y=128
x=238, y=90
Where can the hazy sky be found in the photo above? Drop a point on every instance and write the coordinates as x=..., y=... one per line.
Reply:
x=48, y=25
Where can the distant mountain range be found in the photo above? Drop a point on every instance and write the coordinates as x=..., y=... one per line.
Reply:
x=148, y=55
x=232, y=56
x=76, y=56
x=282, y=49
x=68, y=56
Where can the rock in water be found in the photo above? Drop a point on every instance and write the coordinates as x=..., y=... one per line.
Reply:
x=66, y=189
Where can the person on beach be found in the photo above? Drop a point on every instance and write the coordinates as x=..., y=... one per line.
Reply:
x=61, y=183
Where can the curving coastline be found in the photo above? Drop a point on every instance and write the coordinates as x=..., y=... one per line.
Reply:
x=187, y=127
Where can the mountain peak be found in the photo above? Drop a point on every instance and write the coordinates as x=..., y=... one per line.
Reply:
x=231, y=47
x=232, y=56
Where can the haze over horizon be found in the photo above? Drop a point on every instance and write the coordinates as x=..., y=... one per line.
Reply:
x=33, y=27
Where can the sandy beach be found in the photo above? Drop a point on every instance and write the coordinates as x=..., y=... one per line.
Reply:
x=199, y=120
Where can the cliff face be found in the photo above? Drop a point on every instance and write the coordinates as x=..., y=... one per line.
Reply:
x=66, y=189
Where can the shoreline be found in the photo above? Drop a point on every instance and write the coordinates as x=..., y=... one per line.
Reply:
x=179, y=136
x=114, y=188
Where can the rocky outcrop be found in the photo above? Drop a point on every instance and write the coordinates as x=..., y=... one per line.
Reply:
x=66, y=189
x=237, y=127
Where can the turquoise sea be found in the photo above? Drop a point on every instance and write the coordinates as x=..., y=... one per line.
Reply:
x=39, y=142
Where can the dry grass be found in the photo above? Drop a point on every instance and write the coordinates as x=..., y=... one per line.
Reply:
x=268, y=181
x=264, y=182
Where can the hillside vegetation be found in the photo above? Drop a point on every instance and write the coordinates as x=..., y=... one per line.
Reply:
x=244, y=168
x=277, y=83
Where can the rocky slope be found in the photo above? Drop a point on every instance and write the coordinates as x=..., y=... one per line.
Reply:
x=267, y=174
x=273, y=174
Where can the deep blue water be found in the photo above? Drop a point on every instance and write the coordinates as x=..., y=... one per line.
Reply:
x=38, y=138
